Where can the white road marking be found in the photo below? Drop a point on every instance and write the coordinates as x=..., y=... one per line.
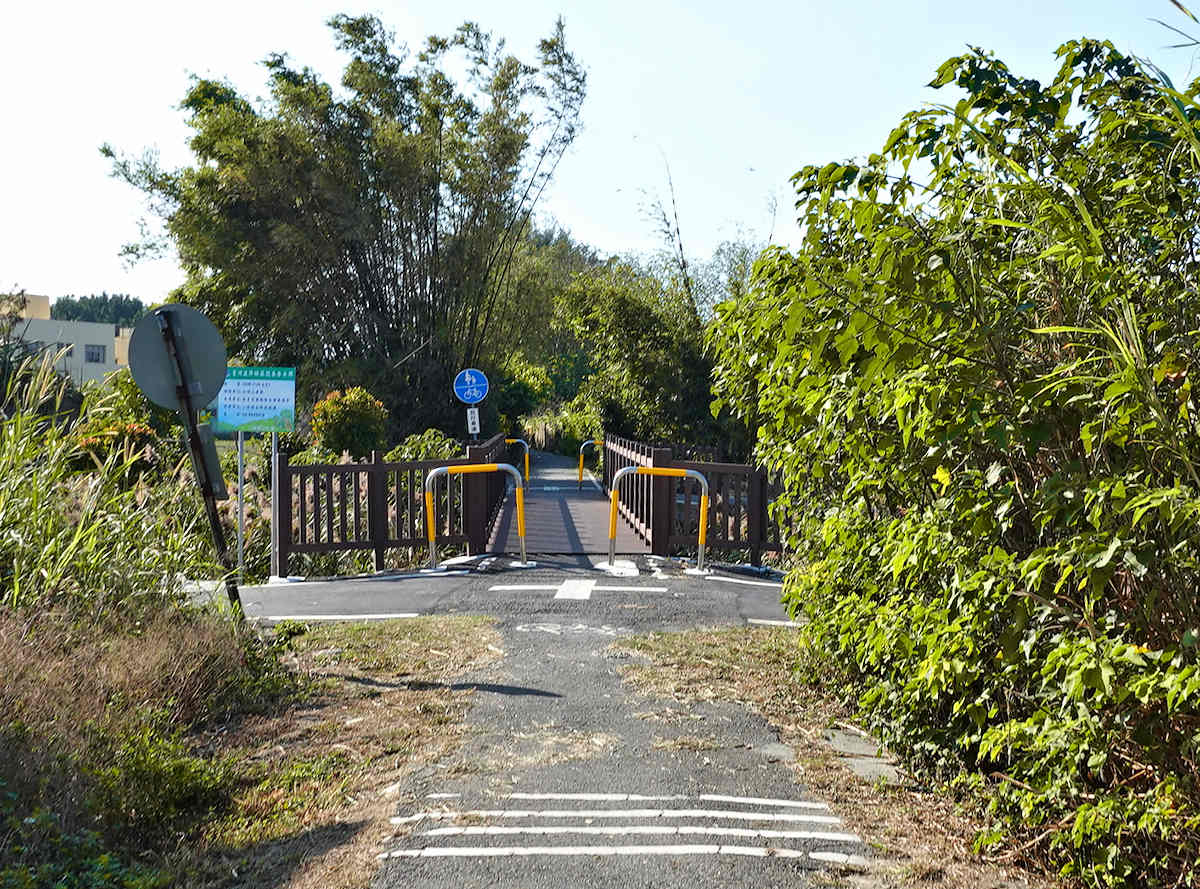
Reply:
x=733, y=815
x=630, y=589
x=636, y=797
x=442, y=795
x=526, y=851
x=758, y=801
x=766, y=583
x=839, y=858
x=339, y=616
x=646, y=830
x=575, y=589
x=774, y=623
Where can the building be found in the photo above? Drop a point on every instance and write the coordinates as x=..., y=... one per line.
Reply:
x=89, y=351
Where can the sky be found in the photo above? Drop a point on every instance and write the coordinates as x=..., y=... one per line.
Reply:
x=732, y=97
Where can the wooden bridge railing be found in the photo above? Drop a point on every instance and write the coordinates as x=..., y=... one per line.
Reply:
x=665, y=511
x=378, y=506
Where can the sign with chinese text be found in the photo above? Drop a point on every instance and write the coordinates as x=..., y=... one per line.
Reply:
x=257, y=399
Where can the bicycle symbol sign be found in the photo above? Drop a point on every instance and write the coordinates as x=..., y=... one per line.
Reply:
x=470, y=386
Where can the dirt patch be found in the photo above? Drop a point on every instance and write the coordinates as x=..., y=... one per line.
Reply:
x=920, y=836
x=549, y=745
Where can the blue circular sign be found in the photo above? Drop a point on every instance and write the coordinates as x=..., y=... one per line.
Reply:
x=471, y=386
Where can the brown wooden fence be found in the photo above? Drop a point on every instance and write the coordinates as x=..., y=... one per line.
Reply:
x=665, y=511
x=379, y=506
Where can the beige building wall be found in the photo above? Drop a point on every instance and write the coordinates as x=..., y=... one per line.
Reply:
x=90, y=351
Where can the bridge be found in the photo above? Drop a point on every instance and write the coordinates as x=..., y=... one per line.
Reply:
x=380, y=506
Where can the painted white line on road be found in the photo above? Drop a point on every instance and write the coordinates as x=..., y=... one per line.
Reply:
x=646, y=830
x=339, y=616
x=773, y=585
x=529, y=851
x=524, y=586
x=732, y=815
x=635, y=797
x=600, y=797
x=442, y=795
x=773, y=623
x=758, y=801
x=575, y=589
x=630, y=589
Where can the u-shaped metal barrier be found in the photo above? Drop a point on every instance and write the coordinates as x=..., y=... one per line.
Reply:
x=656, y=470
x=525, y=445
x=431, y=518
x=593, y=442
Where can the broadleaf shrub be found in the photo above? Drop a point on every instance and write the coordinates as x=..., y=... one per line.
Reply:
x=353, y=421
x=977, y=393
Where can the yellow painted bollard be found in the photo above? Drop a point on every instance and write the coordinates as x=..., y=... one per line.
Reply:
x=593, y=442
x=464, y=469
x=524, y=444
x=659, y=471
x=612, y=524
x=431, y=523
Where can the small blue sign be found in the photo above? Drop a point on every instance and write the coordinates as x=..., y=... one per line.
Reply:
x=471, y=386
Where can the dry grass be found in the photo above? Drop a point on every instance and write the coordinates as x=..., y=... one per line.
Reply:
x=330, y=771
x=920, y=836
x=309, y=764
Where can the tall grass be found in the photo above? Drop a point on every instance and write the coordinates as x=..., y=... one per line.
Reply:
x=100, y=544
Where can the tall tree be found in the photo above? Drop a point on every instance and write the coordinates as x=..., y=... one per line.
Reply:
x=365, y=234
x=104, y=308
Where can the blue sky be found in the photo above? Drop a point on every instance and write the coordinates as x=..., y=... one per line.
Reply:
x=734, y=96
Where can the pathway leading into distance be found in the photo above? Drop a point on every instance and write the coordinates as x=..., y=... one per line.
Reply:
x=559, y=517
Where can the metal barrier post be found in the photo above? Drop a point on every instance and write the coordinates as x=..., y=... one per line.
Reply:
x=659, y=471
x=524, y=444
x=593, y=442
x=465, y=469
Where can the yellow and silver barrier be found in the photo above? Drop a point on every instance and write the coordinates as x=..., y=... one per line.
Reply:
x=593, y=442
x=525, y=445
x=464, y=469
x=657, y=470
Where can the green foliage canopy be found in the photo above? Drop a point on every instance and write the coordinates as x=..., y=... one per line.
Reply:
x=104, y=308
x=365, y=234
x=977, y=392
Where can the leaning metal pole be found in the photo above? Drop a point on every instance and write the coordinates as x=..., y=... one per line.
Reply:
x=187, y=411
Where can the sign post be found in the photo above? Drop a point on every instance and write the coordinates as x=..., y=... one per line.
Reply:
x=256, y=399
x=471, y=387
x=177, y=358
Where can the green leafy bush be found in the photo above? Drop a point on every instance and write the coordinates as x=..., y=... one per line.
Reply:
x=353, y=421
x=432, y=444
x=977, y=393
x=40, y=854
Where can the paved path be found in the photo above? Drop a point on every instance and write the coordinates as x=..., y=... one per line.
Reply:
x=569, y=778
x=560, y=518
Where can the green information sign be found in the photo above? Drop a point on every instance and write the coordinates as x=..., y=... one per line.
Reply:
x=257, y=399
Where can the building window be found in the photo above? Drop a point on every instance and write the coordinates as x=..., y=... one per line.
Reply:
x=65, y=348
x=93, y=354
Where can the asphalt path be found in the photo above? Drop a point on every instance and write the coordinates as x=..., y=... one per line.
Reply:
x=568, y=777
